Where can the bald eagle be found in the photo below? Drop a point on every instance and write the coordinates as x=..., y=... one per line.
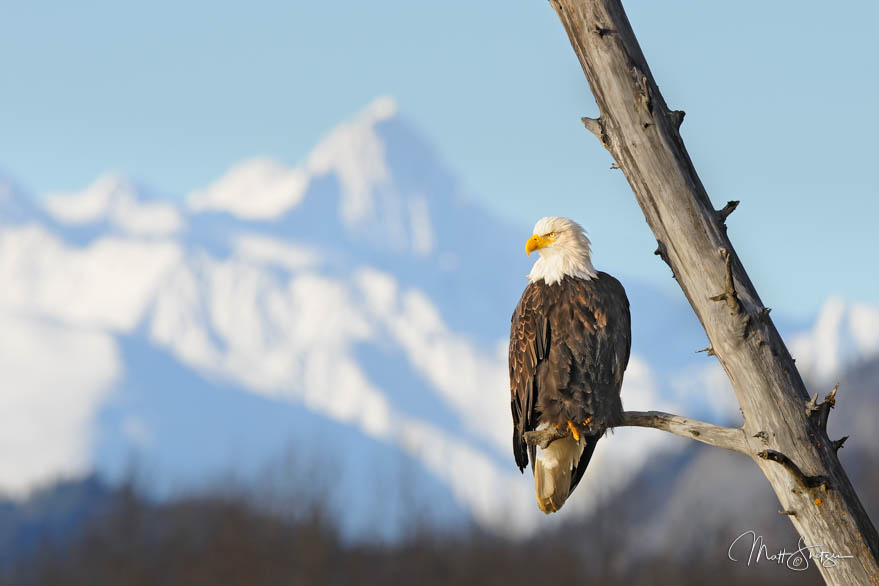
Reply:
x=569, y=346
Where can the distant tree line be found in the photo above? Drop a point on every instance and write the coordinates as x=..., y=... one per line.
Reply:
x=213, y=539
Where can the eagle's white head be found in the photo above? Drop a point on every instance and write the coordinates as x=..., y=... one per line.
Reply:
x=564, y=250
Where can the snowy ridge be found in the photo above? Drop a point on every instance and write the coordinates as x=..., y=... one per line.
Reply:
x=255, y=189
x=373, y=204
x=844, y=333
x=265, y=189
x=116, y=200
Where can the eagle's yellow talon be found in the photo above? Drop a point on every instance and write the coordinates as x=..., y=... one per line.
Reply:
x=574, y=431
x=588, y=421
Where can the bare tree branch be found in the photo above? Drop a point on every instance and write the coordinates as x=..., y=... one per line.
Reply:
x=728, y=438
x=714, y=435
x=820, y=412
x=805, y=481
x=729, y=208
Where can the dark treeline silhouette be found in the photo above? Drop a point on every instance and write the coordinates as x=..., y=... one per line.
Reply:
x=212, y=539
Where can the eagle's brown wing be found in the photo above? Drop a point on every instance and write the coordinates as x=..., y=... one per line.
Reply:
x=529, y=346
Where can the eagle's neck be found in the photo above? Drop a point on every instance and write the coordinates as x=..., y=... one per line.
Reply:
x=557, y=263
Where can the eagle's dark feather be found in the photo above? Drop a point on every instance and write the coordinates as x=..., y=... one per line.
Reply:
x=569, y=346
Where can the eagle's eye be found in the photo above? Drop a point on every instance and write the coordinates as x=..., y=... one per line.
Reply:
x=552, y=235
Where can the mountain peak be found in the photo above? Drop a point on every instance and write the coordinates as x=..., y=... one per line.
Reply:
x=264, y=189
x=92, y=203
x=116, y=199
x=843, y=333
x=381, y=108
x=370, y=174
x=356, y=153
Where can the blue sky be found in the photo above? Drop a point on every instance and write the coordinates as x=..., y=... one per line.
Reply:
x=779, y=101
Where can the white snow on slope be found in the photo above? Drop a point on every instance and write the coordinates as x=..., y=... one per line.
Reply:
x=355, y=153
x=471, y=381
x=53, y=380
x=59, y=309
x=115, y=199
x=255, y=189
x=269, y=251
x=844, y=333
x=105, y=285
x=423, y=238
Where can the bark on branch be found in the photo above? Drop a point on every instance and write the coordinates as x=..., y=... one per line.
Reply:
x=714, y=435
x=707, y=433
x=641, y=133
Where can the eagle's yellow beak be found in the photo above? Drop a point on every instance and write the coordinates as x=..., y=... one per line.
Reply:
x=536, y=242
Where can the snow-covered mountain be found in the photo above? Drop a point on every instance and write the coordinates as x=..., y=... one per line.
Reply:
x=345, y=320
x=843, y=334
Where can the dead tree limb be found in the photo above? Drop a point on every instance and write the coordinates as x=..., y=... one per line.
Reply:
x=714, y=435
x=642, y=135
x=718, y=436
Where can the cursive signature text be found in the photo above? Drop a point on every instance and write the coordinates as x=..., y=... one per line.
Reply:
x=797, y=560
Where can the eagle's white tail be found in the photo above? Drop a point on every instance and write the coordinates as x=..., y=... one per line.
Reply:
x=552, y=472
